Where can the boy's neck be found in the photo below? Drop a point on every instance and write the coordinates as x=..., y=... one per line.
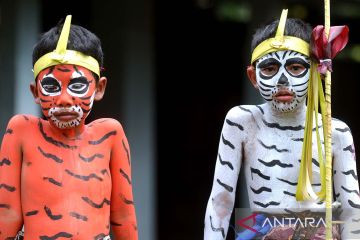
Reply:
x=297, y=116
x=70, y=133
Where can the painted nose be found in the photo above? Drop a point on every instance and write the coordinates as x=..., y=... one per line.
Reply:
x=283, y=81
x=64, y=100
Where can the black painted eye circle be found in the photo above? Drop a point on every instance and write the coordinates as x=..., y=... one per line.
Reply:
x=78, y=85
x=50, y=85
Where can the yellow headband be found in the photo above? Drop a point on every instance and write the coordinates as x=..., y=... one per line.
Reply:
x=63, y=56
x=280, y=42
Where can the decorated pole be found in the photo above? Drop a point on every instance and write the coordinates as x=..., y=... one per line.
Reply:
x=328, y=139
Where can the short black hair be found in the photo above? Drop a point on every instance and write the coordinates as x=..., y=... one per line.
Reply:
x=293, y=27
x=80, y=39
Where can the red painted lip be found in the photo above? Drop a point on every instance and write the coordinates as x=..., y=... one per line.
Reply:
x=65, y=116
x=284, y=96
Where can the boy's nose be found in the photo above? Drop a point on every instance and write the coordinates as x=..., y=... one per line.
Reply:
x=283, y=81
x=64, y=100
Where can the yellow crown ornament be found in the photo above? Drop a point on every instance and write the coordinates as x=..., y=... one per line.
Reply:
x=61, y=55
x=280, y=42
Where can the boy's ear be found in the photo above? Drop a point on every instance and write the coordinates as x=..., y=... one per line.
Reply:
x=34, y=92
x=100, y=88
x=252, y=75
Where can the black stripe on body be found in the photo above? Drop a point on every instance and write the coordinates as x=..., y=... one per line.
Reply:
x=245, y=109
x=343, y=129
x=104, y=171
x=126, y=150
x=50, y=215
x=272, y=147
x=227, y=142
x=260, y=108
x=3, y=205
x=297, y=139
x=289, y=193
x=95, y=205
x=219, y=229
x=349, y=148
x=288, y=182
x=354, y=205
x=115, y=224
x=31, y=213
x=127, y=201
x=122, y=172
x=25, y=117
x=265, y=205
x=7, y=187
x=352, y=174
x=355, y=231
x=241, y=128
x=283, y=128
x=56, y=236
x=5, y=161
x=260, y=190
x=274, y=163
x=78, y=216
x=225, y=162
x=53, y=141
x=84, y=178
x=314, y=161
x=350, y=191
x=227, y=187
x=103, y=138
x=336, y=195
x=53, y=181
x=91, y=158
x=50, y=156
x=258, y=172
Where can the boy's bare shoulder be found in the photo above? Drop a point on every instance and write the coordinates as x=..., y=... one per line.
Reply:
x=245, y=113
x=340, y=128
x=22, y=121
x=106, y=124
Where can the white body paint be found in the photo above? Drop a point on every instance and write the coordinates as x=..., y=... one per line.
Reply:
x=251, y=138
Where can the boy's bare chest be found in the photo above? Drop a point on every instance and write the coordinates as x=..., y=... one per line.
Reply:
x=55, y=171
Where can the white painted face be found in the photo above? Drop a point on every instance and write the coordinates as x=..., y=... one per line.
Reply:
x=283, y=79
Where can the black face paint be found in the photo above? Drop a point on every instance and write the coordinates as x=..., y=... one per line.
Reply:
x=300, y=62
x=78, y=85
x=269, y=63
x=50, y=85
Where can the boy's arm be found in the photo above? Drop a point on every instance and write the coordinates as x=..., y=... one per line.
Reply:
x=228, y=163
x=122, y=216
x=346, y=186
x=10, y=169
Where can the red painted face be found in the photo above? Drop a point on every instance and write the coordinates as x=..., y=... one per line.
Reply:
x=66, y=94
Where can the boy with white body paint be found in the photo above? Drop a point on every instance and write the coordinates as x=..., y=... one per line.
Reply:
x=266, y=140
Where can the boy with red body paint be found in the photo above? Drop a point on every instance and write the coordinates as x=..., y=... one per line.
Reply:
x=61, y=178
